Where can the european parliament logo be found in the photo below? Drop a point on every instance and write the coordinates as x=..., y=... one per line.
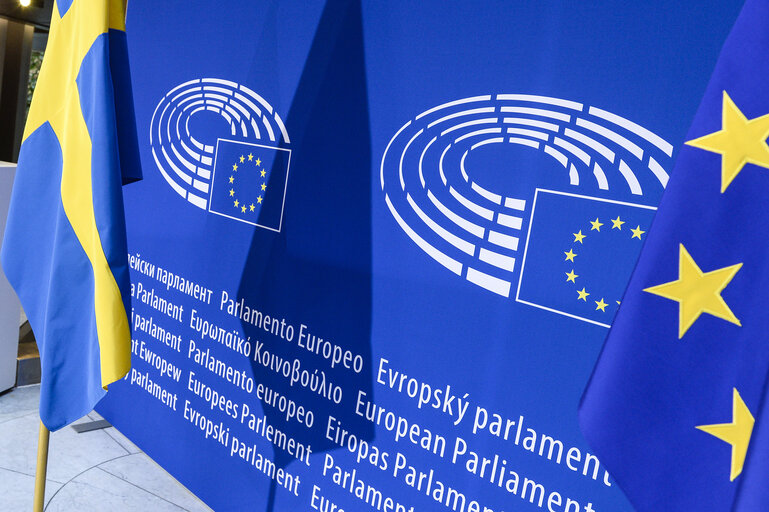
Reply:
x=539, y=199
x=223, y=148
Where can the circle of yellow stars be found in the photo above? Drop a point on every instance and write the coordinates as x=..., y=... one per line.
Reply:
x=579, y=237
x=740, y=141
x=263, y=187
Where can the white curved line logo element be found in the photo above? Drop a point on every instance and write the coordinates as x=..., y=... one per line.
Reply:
x=187, y=161
x=479, y=233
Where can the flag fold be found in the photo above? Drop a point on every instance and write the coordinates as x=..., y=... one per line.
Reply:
x=675, y=407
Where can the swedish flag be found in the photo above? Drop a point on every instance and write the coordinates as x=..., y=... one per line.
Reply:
x=64, y=250
x=676, y=407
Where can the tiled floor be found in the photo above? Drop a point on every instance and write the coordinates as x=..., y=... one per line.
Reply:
x=93, y=471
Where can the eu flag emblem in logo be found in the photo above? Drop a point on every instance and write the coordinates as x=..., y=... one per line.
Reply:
x=579, y=252
x=249, y=183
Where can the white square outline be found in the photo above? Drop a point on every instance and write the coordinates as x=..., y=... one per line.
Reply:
x=526, y=248
x=285, y=185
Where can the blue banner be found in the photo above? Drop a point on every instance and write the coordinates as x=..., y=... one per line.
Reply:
x=378, y=247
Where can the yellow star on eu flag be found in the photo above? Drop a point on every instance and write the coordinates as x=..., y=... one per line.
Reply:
x=596, y=224
x=617, y=223
x=578, y=237
x=570, y=255
x=740, y=141
x=600, y=304
x=697, y=292
x=582, y=294
x=571, y=276
x=737, y=433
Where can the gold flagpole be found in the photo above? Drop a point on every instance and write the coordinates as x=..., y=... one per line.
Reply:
x=42, y=468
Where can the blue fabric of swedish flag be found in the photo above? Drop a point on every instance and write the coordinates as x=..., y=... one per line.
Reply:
x=670, y=406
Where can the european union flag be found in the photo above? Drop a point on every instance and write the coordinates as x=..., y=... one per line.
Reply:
x=580, y=251
x=64, y=250
x=676, y=407
x=249, y=183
